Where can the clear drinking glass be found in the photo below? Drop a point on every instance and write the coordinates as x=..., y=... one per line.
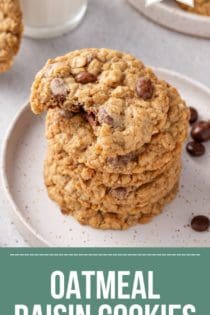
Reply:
x=49, y=18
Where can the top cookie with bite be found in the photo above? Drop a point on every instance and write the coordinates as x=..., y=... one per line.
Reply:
x=201, y=7
x=123, y=101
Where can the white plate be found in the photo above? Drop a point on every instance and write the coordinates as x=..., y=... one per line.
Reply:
x=169, y=14
x=40, y=220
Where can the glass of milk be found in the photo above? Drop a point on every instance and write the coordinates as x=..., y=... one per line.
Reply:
x=49, y=18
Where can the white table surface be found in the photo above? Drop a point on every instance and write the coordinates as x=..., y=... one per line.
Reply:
x=111, y=24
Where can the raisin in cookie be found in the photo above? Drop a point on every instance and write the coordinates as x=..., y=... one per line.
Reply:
x=123, y=101
x=11, y=28
x=201, y=7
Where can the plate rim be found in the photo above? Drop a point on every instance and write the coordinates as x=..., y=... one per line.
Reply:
x=5, y=182
x=4, y=178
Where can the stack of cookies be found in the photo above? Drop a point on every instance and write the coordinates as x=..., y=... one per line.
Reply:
x=115, y=134
x=200, y=7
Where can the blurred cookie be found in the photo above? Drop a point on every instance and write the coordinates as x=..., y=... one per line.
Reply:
x=201, y=7
x=11, y=28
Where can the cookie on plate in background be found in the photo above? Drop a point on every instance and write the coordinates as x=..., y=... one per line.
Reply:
x=201, y=7
x=11, y=28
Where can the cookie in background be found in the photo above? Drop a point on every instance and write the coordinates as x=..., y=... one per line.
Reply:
x=11, y=28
